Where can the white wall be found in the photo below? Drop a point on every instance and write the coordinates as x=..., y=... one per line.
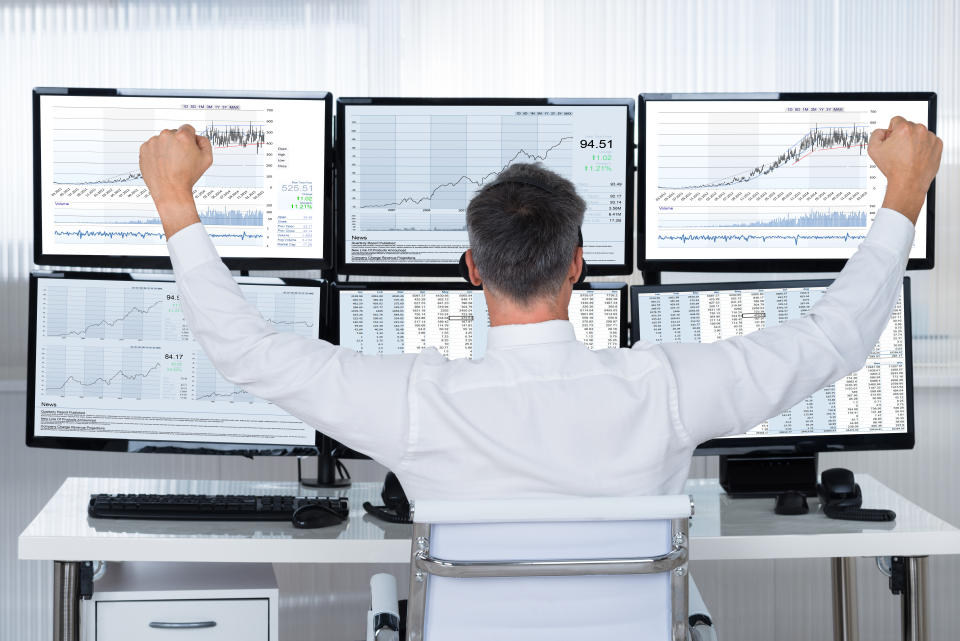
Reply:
x=506, y=48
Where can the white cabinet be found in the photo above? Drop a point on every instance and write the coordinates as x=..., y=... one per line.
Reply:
x=182, y=602
x=209, y=620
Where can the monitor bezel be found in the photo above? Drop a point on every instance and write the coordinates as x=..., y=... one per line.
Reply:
x=449, y=270
x=151, y=447
x=804, y=444
x=334, y=298
x=42, y=257
x=753, y=265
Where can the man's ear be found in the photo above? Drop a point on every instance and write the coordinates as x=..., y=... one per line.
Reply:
x=475, y=279
x=576, y=265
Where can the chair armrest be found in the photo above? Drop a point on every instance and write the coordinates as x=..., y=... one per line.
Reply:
x=702, y=633
x=383, y=618
x=701, y=623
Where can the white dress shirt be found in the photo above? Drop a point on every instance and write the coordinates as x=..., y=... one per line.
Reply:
x=541, y=414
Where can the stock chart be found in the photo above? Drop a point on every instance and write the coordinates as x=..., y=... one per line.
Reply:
x=115, y=359
x=256, y=200
x=410, y=171
x=741, y=179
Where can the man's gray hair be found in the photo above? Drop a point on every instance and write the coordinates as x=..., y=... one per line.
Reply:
x=522, y=237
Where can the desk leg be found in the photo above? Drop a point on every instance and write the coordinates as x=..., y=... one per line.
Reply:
x=846, y=622
x=66, y=601
x=913, y=600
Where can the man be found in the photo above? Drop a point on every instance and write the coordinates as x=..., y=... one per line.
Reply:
x=540, y=414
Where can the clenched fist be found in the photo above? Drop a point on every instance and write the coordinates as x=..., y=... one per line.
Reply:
x=909, y=156
x=170, y=163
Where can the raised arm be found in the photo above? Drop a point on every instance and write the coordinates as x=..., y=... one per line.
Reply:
x=730, y=386
x=326, y=386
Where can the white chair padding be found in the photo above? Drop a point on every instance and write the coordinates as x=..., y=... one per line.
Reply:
x=552, y=509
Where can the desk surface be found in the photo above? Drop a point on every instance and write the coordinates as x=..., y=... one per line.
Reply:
x=722, y=528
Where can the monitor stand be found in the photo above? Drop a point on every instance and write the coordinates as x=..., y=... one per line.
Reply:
x=766, y=474
x=330, y=470
x=651, y=277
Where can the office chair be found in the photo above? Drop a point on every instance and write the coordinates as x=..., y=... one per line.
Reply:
x=546, y=570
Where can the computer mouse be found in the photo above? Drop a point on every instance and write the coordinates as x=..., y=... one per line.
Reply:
x=311, y=516
x=791, y=502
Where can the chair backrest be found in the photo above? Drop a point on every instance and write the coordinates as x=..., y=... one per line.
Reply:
x=549, y=569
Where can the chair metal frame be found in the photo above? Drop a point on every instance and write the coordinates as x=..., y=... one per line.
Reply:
x=425, y=565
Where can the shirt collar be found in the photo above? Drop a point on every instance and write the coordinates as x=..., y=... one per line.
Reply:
x=552, y=331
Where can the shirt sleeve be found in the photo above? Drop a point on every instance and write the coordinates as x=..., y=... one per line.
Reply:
x=356, y=399
x=730, y=386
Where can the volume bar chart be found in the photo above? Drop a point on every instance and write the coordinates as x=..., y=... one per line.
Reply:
x=789, y=218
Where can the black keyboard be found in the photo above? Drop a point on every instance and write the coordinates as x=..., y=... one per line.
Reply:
x=198, y=507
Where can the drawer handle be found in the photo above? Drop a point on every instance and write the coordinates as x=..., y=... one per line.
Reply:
x=190, y=625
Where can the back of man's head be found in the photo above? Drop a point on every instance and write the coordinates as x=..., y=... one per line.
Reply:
x=522, y=237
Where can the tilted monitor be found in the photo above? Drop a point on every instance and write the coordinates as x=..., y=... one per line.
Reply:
x=113, y=366
x=403, y=318
x=869, y=409
x=408, y=168
x=266, y=200
x=766, y=182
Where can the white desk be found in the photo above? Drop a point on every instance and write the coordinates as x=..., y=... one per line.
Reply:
x=722, y=529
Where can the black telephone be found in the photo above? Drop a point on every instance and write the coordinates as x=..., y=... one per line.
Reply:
x=396, y=507
x=841, y=498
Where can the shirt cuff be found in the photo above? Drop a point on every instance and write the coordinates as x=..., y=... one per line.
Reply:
x=191, y=247
x=892, y=230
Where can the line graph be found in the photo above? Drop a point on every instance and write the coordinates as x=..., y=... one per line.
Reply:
x=223, y=136
x=148, y=237
x=522, y=155
x=100, y=380
x=767, y=240
x=101, y=372
x=99, y=146
x=212, y=387
x=419, y=172
x=104, y=324
x=107, y=236
x=780, y=171
x=73, y=310
x=286, y=311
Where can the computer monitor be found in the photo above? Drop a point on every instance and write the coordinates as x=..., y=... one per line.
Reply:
x=870, y=409
x=398, y=318
x=766, y=182
x=408, y=168
x=114, y=367
x=266, y=201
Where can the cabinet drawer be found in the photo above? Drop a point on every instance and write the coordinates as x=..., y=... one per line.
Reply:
x=233, y=619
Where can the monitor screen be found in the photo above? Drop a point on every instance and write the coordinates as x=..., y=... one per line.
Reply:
x=264, y=201
x=409, y=168
x=766, y=182
x=869, y=408
x=114, y=366
x=405, y=318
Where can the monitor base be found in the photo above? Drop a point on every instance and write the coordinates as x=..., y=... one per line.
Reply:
x=343, y=483
x=651, y=277
x=765, y=475
x=330, y=473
